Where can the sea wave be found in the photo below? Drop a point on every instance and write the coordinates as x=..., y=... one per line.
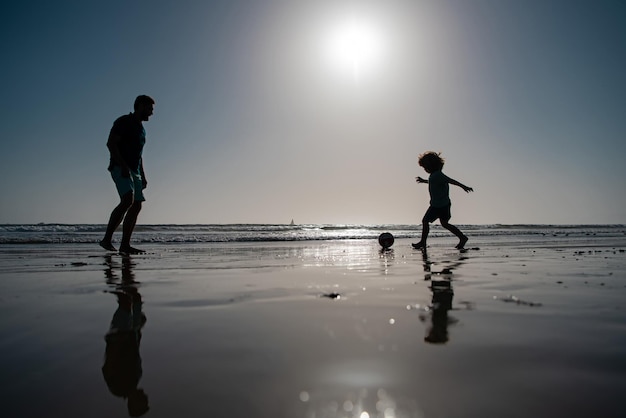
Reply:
x=206, y=233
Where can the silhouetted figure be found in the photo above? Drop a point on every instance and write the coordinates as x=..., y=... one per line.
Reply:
x=440, y=204
x=126, y=141
x=122, y=362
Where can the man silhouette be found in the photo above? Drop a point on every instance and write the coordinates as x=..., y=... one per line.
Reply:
x=126, y=141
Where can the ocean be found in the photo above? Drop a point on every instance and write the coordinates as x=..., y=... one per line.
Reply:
x=223, y=233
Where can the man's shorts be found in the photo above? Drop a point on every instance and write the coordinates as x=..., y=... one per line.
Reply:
x=133, y=183
x=432, y=214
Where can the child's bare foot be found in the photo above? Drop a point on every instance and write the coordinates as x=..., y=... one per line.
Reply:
x=419, y=245
x=461, y=243
x=107, y=245
x=127, y=249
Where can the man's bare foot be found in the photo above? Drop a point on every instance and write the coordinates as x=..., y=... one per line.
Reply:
x=419, y=245
x=107, y=245
x=127, y=249
x=461, y=243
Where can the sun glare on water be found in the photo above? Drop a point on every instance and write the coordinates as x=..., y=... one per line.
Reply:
x=355, y=47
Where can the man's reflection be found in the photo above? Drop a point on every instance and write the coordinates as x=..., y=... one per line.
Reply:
x=122, y=362
x=441, y=302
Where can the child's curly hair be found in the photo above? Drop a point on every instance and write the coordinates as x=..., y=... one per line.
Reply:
x=431, y=161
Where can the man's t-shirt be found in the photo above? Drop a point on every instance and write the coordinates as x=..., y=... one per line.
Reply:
x=133, y=138
x=439, y=190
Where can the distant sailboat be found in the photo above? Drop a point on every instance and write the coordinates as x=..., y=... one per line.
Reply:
x=292, y=224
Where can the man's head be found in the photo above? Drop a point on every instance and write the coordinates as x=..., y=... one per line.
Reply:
x=144, y=107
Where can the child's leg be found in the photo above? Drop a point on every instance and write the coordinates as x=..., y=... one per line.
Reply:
x=425, y=231
x=456, y=231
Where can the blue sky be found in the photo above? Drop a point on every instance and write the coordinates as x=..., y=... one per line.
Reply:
x=263, y=113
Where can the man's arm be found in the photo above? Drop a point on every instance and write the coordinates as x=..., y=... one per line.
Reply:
x=461, y=185
x=112, y=145
x=143, y=175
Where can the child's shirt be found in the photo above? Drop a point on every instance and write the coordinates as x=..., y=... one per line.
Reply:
x=439, y=190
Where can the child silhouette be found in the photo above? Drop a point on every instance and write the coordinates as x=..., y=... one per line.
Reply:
x=439, y=190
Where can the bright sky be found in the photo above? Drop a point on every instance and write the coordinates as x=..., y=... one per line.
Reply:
x=269, y=110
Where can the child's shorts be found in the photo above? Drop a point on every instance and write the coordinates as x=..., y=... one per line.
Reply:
x=432, y=214
x=132, y=183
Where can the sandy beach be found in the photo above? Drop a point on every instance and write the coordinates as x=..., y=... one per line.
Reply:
x=314, y=329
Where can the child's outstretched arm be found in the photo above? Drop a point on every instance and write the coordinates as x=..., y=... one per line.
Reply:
x=461, y=185
x=420, y=180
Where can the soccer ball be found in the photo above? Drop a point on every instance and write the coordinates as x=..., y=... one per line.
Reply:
x=385, y=240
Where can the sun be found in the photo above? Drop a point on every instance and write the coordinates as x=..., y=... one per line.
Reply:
x=354, y=47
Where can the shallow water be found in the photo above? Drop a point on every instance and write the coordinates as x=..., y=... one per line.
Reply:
x=244, y=329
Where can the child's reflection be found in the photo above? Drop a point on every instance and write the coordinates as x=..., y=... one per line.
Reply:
x=122, y=362
x=440, y=305
x=441, y=302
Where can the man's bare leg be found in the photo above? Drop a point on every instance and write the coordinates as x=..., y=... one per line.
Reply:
x=127, y=229
x=117, y=215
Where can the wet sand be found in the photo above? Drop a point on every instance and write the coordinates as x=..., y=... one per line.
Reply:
x=314, y=329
